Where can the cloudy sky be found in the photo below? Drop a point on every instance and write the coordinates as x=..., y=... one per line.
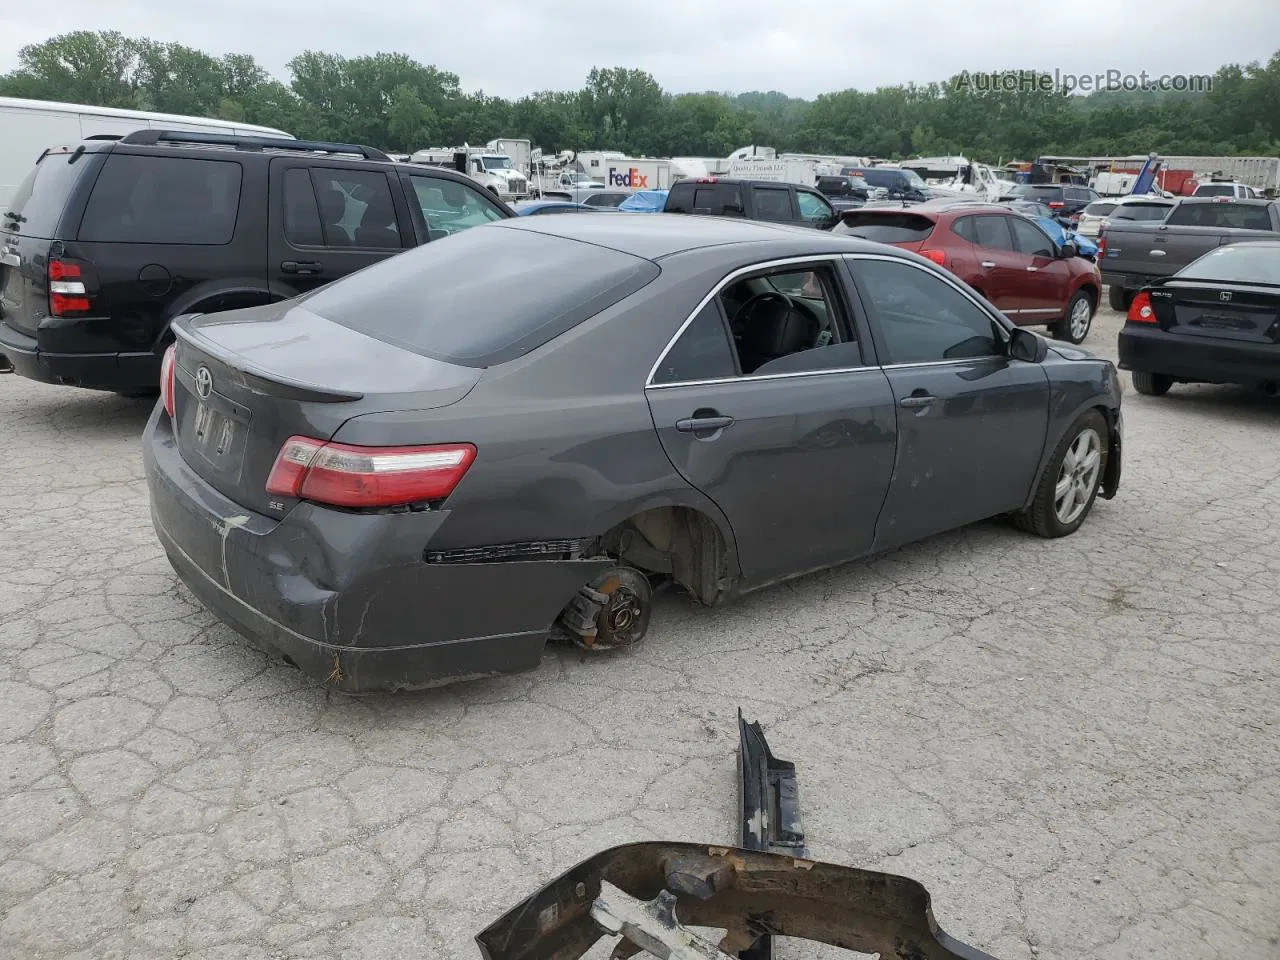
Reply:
x=803, y=47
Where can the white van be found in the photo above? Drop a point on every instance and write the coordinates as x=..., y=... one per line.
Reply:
x=28, y=127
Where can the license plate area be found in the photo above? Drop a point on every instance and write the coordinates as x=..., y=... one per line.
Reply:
x=1254, y=325
x=213, y=435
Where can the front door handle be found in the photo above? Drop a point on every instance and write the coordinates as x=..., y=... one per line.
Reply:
x=309, y=267
x=918, y=400
x=703, y=424
x=988, y=264
x=1033, y=269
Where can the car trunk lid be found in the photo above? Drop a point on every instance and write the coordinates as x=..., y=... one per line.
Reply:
x=1249, y=314
x=248, y=380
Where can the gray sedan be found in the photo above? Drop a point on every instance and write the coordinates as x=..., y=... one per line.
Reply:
x=421, y=471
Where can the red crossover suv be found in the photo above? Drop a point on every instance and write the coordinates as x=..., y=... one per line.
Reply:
x=1002, y=255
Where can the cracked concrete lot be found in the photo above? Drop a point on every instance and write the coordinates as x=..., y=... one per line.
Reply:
x=1073, y=744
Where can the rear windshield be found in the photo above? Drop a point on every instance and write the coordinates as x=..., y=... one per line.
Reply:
x=1216, y=190
x=1100, y=208
x=1035, y=191
x=163, y=200
x=1226, y=215
x=42, y=196
x=482, y=297
x=886, y=227
x=1237, y=263
x=1141, y=211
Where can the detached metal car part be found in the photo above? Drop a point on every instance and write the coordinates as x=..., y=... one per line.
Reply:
x=649, y=894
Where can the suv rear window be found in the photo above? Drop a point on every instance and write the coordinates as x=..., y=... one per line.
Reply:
x=163, y=200
x=1099, y=208
x=886, y=227
x=1036, y=191
x=42, y=196
x=1216, y=190
x=487, y=296
x=1141, y=211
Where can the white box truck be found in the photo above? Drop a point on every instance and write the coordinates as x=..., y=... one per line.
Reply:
x=27, y=127
x=802, y=172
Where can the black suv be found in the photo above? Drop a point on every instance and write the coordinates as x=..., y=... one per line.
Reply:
x=106, y=242
x=1066, y=200
x=769, y=200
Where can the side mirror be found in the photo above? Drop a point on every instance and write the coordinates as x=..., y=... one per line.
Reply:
x=1025, y=345
x=1069, y=249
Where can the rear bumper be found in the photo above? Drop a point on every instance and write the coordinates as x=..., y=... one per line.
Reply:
x=1151, y=350
x=348, y=597
x=95, y=371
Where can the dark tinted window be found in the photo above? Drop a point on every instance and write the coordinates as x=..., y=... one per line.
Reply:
x=301, y=214
x=885, y=227
x=1229, y=215
x=921, y=317
x=1100, y=208
x=680, y=199
x=163, y=200
x=485, y=297
x=704, y=200
x=1031, y=240
x=605, y=199
x=356, y=209
x=1238, y=262
x=1141, y=211
x=1044, y=192
x=43, y=195
x=703, y=351
x=773, y=204
x=883, y=178
x=992, y=232
x=1216, y=190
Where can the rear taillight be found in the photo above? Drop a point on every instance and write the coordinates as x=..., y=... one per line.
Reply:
x=348, y=476
x=1056, y=204
x=167, y=378
x=1102, y=238
x=937, y=256
x=67, y=293
x=1140, y=309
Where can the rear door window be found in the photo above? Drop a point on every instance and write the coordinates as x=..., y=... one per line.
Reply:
x=993, y=233
x=703, y=352
x=773, y=203
x=172, y=200
x=42, y=197
x=356, y=209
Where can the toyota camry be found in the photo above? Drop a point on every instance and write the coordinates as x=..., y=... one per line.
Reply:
x=420, y=472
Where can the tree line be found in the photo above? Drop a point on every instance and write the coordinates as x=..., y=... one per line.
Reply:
x=391, y=101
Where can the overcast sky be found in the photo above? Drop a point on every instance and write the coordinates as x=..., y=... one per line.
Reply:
x=802, y=47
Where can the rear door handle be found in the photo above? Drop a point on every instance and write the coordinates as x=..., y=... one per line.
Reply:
x=988, y=264
x=923, y=400
x=703, y=424
x=1033, y=269
x=302, y=266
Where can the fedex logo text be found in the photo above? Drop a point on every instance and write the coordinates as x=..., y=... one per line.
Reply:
x=628, y=178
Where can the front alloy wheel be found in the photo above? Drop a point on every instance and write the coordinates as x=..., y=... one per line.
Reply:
x=1074, y=326
x=1069, y=485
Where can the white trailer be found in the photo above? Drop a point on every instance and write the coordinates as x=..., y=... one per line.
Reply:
x=617, y=171
x=27, y=127
x=798, y=171
x=520, y=152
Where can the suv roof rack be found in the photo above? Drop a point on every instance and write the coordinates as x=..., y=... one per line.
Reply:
x=152, y=137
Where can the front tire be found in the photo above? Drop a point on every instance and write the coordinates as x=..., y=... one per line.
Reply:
x=1151, y=384
x=1069, y=485
x=1076, y=323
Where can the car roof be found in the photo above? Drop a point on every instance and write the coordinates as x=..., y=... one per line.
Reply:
x=1244, y=201
x=660, y=235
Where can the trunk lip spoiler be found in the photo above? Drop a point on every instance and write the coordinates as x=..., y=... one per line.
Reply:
x=752, y=894
x=292, y=389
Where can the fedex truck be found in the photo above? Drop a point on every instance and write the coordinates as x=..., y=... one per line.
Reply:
x=620, y=172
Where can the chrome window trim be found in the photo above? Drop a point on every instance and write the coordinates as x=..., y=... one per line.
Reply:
x=755, y=378
x=715, y=292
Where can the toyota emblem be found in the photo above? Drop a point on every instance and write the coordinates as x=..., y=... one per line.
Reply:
x=1224, y=295
x=204, y=382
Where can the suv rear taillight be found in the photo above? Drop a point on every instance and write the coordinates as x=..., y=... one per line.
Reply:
x=1140, y=309
x=1056, y=204
x=937, y=256
x=167, y=376
x=68, y=296
x=360, y=477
